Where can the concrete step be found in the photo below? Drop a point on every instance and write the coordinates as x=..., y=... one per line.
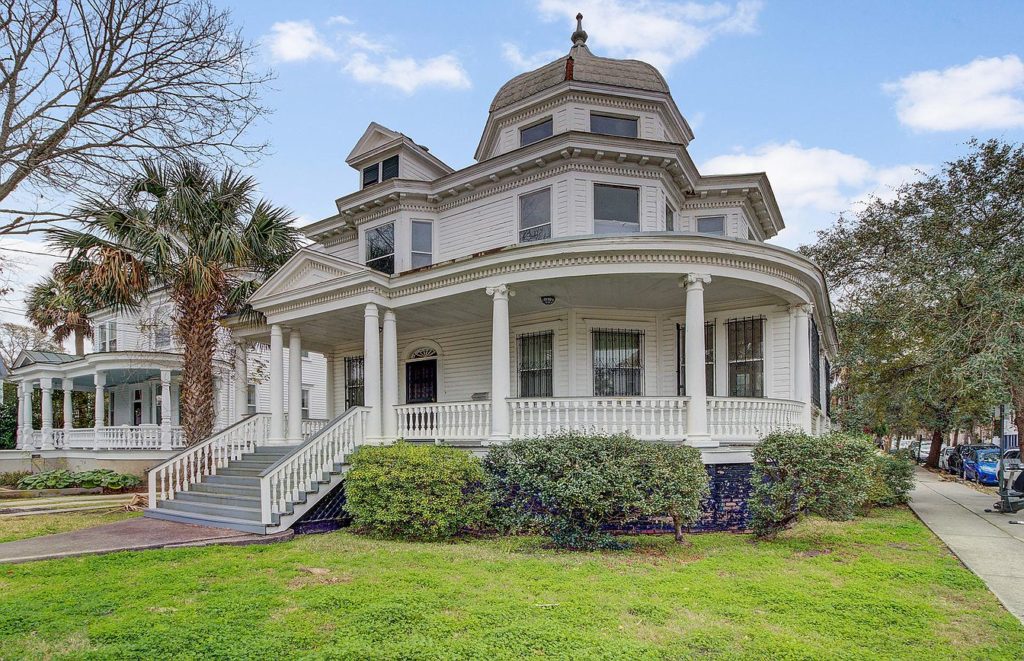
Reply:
x=226, y=489
x=256, y=464
x=272, y=450
x=216, y=522
x=239, y=472
x=237, y=480
x=219, y=498
x=212, y=509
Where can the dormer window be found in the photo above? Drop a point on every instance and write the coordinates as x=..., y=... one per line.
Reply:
x=613, y=125
x=380, y=248
x=386, y=169
x=536, y=132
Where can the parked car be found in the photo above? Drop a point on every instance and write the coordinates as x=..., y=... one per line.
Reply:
x=920, y=449
x=944, y=458
x=982, y=465
x=956, y=458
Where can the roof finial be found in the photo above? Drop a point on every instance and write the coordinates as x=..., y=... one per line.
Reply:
x=579, y=37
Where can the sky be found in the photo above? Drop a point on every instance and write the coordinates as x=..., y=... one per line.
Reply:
x=835, y=101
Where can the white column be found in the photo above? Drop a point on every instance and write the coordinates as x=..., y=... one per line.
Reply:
x=501, y=363
x=371, y=369
x=165, y=409
x=69, y=414
x=46, y=414
x=389, y=378
x=241, y=381
x=24, y=415
x=329, y=384
x=802, y=362
x=276, y=384
x=294, y=386
x=696, y=385
x=100, y=380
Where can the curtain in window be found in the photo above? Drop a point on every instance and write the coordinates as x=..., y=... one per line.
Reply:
x=535, y=360
x=709, y=358
x=618, y=362
x=353, y=381
x=746, y=357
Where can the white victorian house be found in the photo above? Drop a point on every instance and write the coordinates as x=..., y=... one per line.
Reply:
x=133, y=369
x=581, y=274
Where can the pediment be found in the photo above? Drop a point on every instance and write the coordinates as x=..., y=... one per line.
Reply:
x=375, y=136
x=307, y=268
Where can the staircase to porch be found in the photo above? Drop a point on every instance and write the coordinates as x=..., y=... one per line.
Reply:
x=236, y=480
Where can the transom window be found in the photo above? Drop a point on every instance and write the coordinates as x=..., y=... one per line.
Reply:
x=380, y=248
x=612, y=125
x=616, y=209
x=535, y=133
x=353, y=381
x=535, y=216
x=618, y=357
x=709, y=358
x=815, y=365
x=422, y=243
x=711, y=225
x=250, y=399
x=386, y=169
x=535, y=360
x=746, y=357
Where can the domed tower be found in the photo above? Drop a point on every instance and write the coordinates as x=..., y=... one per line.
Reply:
x=582, y=92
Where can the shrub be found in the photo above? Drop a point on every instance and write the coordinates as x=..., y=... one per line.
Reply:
x=892, y=478
x=12, y=479
x=64, y=479
x=572, y=485
x=417, y=492
x=794, y=474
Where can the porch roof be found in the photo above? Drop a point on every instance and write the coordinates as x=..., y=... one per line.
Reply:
x=119, y=367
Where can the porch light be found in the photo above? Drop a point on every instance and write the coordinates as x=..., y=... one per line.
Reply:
x=547, y=300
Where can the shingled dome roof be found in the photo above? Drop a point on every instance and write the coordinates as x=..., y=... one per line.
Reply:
x=580, y=65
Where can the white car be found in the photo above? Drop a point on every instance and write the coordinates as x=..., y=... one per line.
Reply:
x=944, y=458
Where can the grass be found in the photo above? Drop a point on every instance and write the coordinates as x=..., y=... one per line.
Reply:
x=879, y=587
x=23, y=527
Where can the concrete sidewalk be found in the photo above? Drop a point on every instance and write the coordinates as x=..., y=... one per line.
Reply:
x=130, y=535
x=987, y=543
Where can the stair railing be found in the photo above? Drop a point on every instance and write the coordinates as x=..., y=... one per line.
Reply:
x=192, y=464
x=285, y=481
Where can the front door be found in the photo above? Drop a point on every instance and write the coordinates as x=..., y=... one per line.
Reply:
x=421, y=382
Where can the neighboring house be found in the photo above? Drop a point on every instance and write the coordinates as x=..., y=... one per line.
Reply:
x=135, y=366
x=582, y=274
x=1005, y=418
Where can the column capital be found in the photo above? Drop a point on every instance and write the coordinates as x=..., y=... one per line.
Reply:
x=371, y=310
x=802, y=308
x=100, y=378
x=45, y=383
x=694, y=280
x=389, y=315
x=500, y=291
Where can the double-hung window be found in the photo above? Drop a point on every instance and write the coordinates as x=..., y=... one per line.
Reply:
x=616, y=209
x=386, y=169
x=670, y=219
x=422, y=243
x=618, y=357
x=815, y=365
x=714, y=225
x=305, y=403
x=353, y=381
x=380, y=248
x=250, y=399
x=709, y=358
x=612, y=125
x=535, y=360
x=535, y=132
x=746, y=357
x=162, y=327
x=535, y=216
x=106, y=336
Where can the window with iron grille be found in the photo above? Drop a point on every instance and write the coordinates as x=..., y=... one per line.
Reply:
x=746, y=357
x=815, y=365
x=535, y=360
x=380, y=248
x=353, y=381
x=618, y=362
x=828, y=388
x=709, y=358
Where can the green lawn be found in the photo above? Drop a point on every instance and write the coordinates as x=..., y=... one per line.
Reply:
x=23, y=527
x=879, y=587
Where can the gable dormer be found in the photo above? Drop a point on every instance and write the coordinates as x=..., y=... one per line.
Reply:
x=382, y=154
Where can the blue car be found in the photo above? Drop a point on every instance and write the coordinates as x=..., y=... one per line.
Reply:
x=982, y=466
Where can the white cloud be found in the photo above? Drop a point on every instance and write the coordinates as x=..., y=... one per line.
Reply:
x=295, y=41
x=984, y=94
x=363, y=42
x=812, y=184
x=339, y=20
x=520, y=62
x=408, y=74
x=655, y=31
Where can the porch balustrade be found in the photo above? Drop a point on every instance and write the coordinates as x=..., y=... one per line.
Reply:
x=445, y=420
x=651, y=418
x=745, y=419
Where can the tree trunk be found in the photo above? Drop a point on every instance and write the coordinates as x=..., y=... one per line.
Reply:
x=79, y=343
x=1017, y=399
x=933, y=453
x=677, y=523
x=197, y=332
x=956, y=437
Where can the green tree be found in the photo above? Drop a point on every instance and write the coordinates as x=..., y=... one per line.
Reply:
x=60, y=307
x=205, y=236
x=931, y=291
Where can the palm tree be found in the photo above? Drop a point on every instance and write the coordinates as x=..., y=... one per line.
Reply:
x=60, y=307
x=204, y=236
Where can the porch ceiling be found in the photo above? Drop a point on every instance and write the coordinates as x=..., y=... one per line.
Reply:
x=640, y=291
